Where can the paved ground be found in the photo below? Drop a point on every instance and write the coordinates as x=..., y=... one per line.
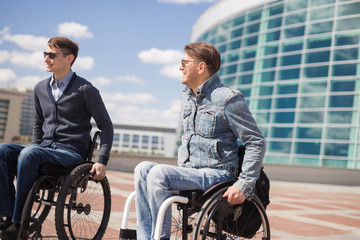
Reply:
x=298, y=211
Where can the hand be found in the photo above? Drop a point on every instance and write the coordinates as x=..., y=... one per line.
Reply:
x=234, y=195
x=99, y=171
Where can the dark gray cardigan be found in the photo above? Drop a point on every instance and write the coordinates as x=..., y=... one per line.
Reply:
x=66, y=122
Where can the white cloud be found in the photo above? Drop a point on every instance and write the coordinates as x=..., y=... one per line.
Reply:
x=172, y=71
x=83, y=63
x=4, y=56
x=186, y=1
x=157, y=56
x=129, y=98
x=32, y=60
x=130, y=78
x=26, y=41
x=101, y=81
x=6, y=75
x=75, y=30
x=122, y=113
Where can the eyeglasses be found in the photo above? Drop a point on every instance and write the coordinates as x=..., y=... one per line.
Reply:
x=51, y=55
x=183, y=62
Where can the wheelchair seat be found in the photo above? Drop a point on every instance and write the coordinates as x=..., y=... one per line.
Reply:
x=82, y=204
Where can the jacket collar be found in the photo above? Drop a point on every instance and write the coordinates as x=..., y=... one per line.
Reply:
x=206, y=87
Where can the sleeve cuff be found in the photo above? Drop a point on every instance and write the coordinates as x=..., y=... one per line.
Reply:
x=103, y=159
x=246, y=188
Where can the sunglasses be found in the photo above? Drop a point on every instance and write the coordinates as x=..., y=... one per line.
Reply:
x=51, y=55
x=184, y=62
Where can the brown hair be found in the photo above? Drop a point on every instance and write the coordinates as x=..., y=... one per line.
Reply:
x=66, y=45
x=207, y=53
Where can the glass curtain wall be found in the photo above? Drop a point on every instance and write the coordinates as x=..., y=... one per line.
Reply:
x=297, y=64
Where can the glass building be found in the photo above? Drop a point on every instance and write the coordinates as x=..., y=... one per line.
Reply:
x=297, y=63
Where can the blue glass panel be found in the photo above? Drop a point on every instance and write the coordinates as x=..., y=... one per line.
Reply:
x=238, y=21
x=283, y=117
x=287, y=74
x=346, y=54
x=294, y=32
x=309, y=132
x=273, y=23
x=344, y=70
x=268, y=76
x=286, y=102
x=251, y=40
x=295, y=18
x=287, y=88
x=313, y=87
x=235, y=45
x=269, y=63
x=276, y=10
x=321, y=2
x=296, y=5
x=314, y=57
x=281, y=132
x=312, y=148
x=233, y=57
x=290, y=60
x=346, y=40
x=319, y=42
x=263, y=103
x=348, y=24
x=229, y=81
x=338, y=133
x=292, y=46
x=322, y=27
x=311, y=117
x=271, y=50
x=253, y=28
x=222, y=48
x=305, y=161
x=245, y=79
x=279, y=147
x=236, y=33
x=312, y=102
x=348, y=9
x=341, y=101
x=322, y=13
x=335, y=163
x=340, y=117
x=261, y=117
x=342, y=85
x=249, y=53
x=247, y=66
x=246, y=92
x=273, y=36
x=231, y=69
x=254, y=16
x=265, y=90
x=336, y=149
x=314, y=72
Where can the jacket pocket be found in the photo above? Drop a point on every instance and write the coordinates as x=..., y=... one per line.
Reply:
x=205, y=123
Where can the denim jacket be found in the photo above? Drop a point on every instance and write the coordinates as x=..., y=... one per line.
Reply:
x=213, y=122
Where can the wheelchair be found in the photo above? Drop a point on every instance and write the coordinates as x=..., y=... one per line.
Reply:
x=207, y=215
x=82, y=204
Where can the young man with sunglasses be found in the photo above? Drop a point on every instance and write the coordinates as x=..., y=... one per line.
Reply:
x=214, y=119
x=64, y=105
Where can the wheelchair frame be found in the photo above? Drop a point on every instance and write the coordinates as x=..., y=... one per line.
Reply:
x=208, y=203
x=69, y=185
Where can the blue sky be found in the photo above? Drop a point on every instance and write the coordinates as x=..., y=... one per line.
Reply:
x=129, y=49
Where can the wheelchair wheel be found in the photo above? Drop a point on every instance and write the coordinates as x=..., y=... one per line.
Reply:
x=83, y=206
x=40, y=210
x=220, y=220
x=178, y=227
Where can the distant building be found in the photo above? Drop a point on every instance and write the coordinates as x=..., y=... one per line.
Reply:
x=297, y=63
x=144, y=140
x=16, y=116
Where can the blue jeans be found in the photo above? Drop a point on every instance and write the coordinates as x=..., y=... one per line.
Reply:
x=24, y=163
x=153, y=184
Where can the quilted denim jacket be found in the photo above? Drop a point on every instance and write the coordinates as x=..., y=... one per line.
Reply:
x=213, y=122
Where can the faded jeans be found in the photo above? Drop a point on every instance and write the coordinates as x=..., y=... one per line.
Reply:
x=153, y=184
x=24, y=163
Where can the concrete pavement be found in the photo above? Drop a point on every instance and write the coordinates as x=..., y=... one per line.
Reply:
x=298, y=211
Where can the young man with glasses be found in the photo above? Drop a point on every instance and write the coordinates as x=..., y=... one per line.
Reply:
x=64, y=105
x=214, y=119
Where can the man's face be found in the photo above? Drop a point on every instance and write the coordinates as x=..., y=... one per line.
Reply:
x=189, y=68
x=55, y=60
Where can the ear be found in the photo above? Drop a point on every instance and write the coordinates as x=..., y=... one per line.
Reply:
x=202, y=67
x=70, y=58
